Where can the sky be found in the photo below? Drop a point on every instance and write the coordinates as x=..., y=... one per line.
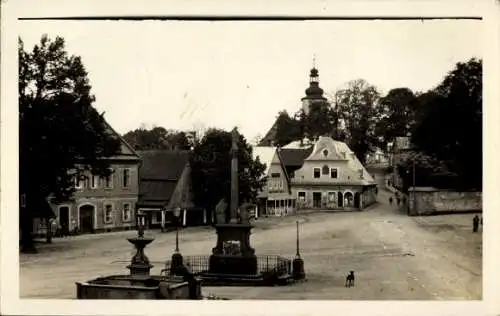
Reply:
x=193, y=75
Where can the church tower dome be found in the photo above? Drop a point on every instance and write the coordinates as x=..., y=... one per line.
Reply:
x=314, y=94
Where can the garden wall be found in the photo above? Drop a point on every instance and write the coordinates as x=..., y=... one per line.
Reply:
x=430, y=201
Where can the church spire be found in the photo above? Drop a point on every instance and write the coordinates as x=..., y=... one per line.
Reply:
x=314, y=75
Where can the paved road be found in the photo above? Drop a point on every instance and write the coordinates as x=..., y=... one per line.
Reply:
x=395, y=257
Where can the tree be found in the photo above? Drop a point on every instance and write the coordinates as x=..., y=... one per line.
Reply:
x=398, y=111
x=211, y=170
x=61, y=136
x=420, y=169
x=358, y=109
x=287, y=129
x=157, y=138
x=451, y=130
x=321, y=120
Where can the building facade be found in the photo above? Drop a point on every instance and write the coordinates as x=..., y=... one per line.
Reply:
x=164, y=186
x=397, y=151
x=331, y=177
x=103, y=204
x=276, y=198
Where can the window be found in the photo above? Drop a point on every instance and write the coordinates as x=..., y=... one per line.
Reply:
x=292, y=174
x=325, y=152
x=158, y=216
x=126, y=178
x=325, y=170
x=127, y=212
x=275, y=175
x=108, y=213
x=78, y=182
x=332, y=196
x=334, y=173
x=316, y=173
x=302, y=196
x=94, y=182
x=270, y=184
x=360, y=173
x=108, y=180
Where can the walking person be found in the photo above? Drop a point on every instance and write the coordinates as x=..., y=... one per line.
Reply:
x=398, y=201
x=390, y=200
x=475, y=224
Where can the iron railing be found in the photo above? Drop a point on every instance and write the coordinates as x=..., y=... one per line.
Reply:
x=266, y=264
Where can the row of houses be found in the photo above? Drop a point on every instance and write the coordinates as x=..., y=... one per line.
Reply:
x=154, y=182
x=319, y=174
x=324, y=174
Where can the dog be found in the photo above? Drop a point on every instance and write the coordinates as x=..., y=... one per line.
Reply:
x=349, y=280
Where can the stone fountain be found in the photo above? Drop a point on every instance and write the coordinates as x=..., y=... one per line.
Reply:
x=140, y=265
x=139, y=284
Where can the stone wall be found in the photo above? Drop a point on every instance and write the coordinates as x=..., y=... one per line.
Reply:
x=432, y=201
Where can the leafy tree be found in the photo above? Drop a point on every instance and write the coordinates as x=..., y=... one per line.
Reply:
x=358, y=109
x=287, y=129
x=398, y=113
x=61, y=136
x=420, y=169
x=451, y=130
x=321, y=120
x=211, y=170
x=157, y=138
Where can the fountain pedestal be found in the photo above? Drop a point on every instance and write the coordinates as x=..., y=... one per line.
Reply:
x=140, y=265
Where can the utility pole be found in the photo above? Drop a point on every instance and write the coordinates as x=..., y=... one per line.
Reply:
x=414, y=193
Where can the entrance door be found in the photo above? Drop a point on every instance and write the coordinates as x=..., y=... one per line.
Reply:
x=87, y=219
x=340, y=200
x=317, y=199
x=357, y=200
x=64, y=219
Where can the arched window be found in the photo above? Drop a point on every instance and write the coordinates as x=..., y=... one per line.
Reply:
x=325, y=170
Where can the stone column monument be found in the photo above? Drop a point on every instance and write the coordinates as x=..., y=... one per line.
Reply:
x=233, y=253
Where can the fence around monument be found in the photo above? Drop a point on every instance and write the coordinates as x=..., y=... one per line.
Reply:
x=265, y=264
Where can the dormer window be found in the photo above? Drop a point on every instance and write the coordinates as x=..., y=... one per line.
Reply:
x=325, y=170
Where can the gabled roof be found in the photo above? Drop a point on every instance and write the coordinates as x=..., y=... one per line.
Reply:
x=294, y=157
x=159, y=175
x=163, y=164
x=126, y=150
x=265, y=154
x=267, y=140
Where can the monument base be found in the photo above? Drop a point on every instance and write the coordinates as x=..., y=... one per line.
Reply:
x=235, y=265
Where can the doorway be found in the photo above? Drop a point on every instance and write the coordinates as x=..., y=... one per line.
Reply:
x=64, y=220
x=87, y=218
x=357, y=200
x=317, y=199
x=340, y=200
x=349, y=199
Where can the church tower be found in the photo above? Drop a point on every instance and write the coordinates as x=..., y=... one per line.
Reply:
x=314, y=94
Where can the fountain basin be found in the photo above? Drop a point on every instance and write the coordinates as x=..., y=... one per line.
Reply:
x=140, y=242
x=138, y=287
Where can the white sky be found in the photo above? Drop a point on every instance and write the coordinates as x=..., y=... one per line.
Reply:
x=242, y=73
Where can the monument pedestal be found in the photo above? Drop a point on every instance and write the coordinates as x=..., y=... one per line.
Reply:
x=233, y=254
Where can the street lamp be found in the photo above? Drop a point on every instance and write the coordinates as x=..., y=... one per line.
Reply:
x=298, y=272
x=177, y=214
